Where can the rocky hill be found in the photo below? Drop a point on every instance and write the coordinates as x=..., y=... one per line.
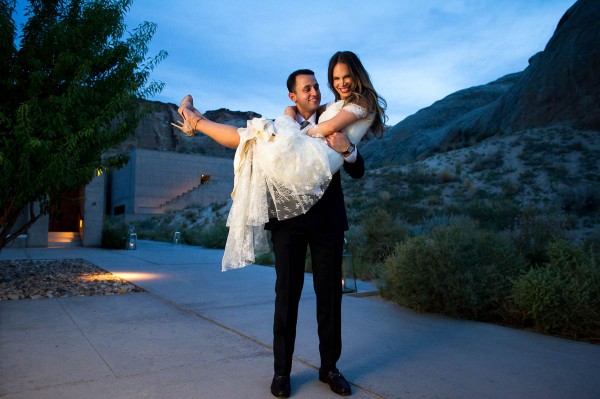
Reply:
x=560, y=87
x=155, y=131
x=423, y=133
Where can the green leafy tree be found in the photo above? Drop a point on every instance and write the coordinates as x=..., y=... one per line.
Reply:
x=71, y=88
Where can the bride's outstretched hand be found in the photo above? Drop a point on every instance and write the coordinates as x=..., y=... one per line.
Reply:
x=191, y=116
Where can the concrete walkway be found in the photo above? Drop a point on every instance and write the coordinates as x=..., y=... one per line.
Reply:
x=201, y=333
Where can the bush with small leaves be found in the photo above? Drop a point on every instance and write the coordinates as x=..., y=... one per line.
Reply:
x=438, y=220
x=459, y=270
x=532, y=233
x=381, y=234
x=214, y=236
x=211, y=236
x=563, y=296
x=114, y=235
x=192, y=236
x=266, y=259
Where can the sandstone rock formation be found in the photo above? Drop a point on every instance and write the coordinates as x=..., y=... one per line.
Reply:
x=560, y=87
x=155, y=131
x=423, y=132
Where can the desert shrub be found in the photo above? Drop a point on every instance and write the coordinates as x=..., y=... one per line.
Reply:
x=583, y=201
x=489, y=161
x=114, y=235
x=385, y=195
x=527, y=177
x=591, y=244
x=214, y=236
x=211, y=236
x=215, y=206
x=192, y=236
x=457, y=170
x=419, y=174
x=190, y=214
x=468, y=185
x=147, y=224
x=266, y=259
x=563, y=296
x=509, y=188
x=446, y=176
x=433, y=222
x=168, y=216
x=380, y=233
x=533, y=233
x=459, y=270
x=494, y=214
x=157, y=232
x=364, y=268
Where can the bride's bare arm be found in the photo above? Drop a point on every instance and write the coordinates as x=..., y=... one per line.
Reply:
x=225, y=135
x=335, y=124
x=338, y=123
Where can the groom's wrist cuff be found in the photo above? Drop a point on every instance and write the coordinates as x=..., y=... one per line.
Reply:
x=349, y=150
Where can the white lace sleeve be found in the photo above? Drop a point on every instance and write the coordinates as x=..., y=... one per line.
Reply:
x=356, y=109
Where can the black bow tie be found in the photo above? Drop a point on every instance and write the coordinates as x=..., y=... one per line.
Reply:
x=304, y=124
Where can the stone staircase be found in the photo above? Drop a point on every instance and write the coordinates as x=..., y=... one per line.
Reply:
x=63, y=239
x=167, y=204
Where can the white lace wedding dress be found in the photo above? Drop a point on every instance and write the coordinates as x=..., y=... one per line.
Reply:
x=280, y=172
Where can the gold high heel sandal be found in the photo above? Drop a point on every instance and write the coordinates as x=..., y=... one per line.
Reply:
x=185, y=126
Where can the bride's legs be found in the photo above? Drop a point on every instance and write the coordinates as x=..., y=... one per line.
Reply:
x=193, y=120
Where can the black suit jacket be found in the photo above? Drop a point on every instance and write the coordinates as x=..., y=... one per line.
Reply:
x=330, y=211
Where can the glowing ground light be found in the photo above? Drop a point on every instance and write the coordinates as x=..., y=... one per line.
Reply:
x=139, y=276
x=128, y=276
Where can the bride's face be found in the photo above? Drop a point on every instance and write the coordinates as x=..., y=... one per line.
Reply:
x=342, y=80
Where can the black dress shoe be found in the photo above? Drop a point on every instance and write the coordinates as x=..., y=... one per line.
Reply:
x=336, y=381
x=280, y=387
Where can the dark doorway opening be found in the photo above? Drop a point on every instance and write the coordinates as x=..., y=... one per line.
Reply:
x=68, y=214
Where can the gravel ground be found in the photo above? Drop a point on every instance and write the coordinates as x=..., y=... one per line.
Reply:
x=26, y=279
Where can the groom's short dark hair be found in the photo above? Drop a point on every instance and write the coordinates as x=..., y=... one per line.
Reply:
x=291, y=81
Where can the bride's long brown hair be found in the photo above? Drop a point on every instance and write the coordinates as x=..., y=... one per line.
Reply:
x=362, y=88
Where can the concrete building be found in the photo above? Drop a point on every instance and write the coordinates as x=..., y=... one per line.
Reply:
x=152, y=182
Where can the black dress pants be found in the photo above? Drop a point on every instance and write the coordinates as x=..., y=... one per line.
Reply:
x=290, y=241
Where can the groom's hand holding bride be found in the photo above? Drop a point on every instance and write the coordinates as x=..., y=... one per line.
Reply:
x=338, y=141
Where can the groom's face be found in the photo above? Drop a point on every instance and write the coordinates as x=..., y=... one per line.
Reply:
x=307, y=95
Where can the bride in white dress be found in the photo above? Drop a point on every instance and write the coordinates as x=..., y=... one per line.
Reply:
x=280, y=169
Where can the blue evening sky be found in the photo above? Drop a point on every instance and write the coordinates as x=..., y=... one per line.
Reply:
x=237, y=54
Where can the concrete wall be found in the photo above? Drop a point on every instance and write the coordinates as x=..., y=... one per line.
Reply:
x=37, y=233
x=122, y=187
x=153, y=178
x=93, y=212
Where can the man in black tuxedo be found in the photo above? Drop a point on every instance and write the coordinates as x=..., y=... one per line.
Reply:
x=322, y=230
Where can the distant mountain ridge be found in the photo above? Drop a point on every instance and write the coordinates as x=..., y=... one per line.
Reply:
x=155, y=131
x=422, y=133
x=560, y=87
